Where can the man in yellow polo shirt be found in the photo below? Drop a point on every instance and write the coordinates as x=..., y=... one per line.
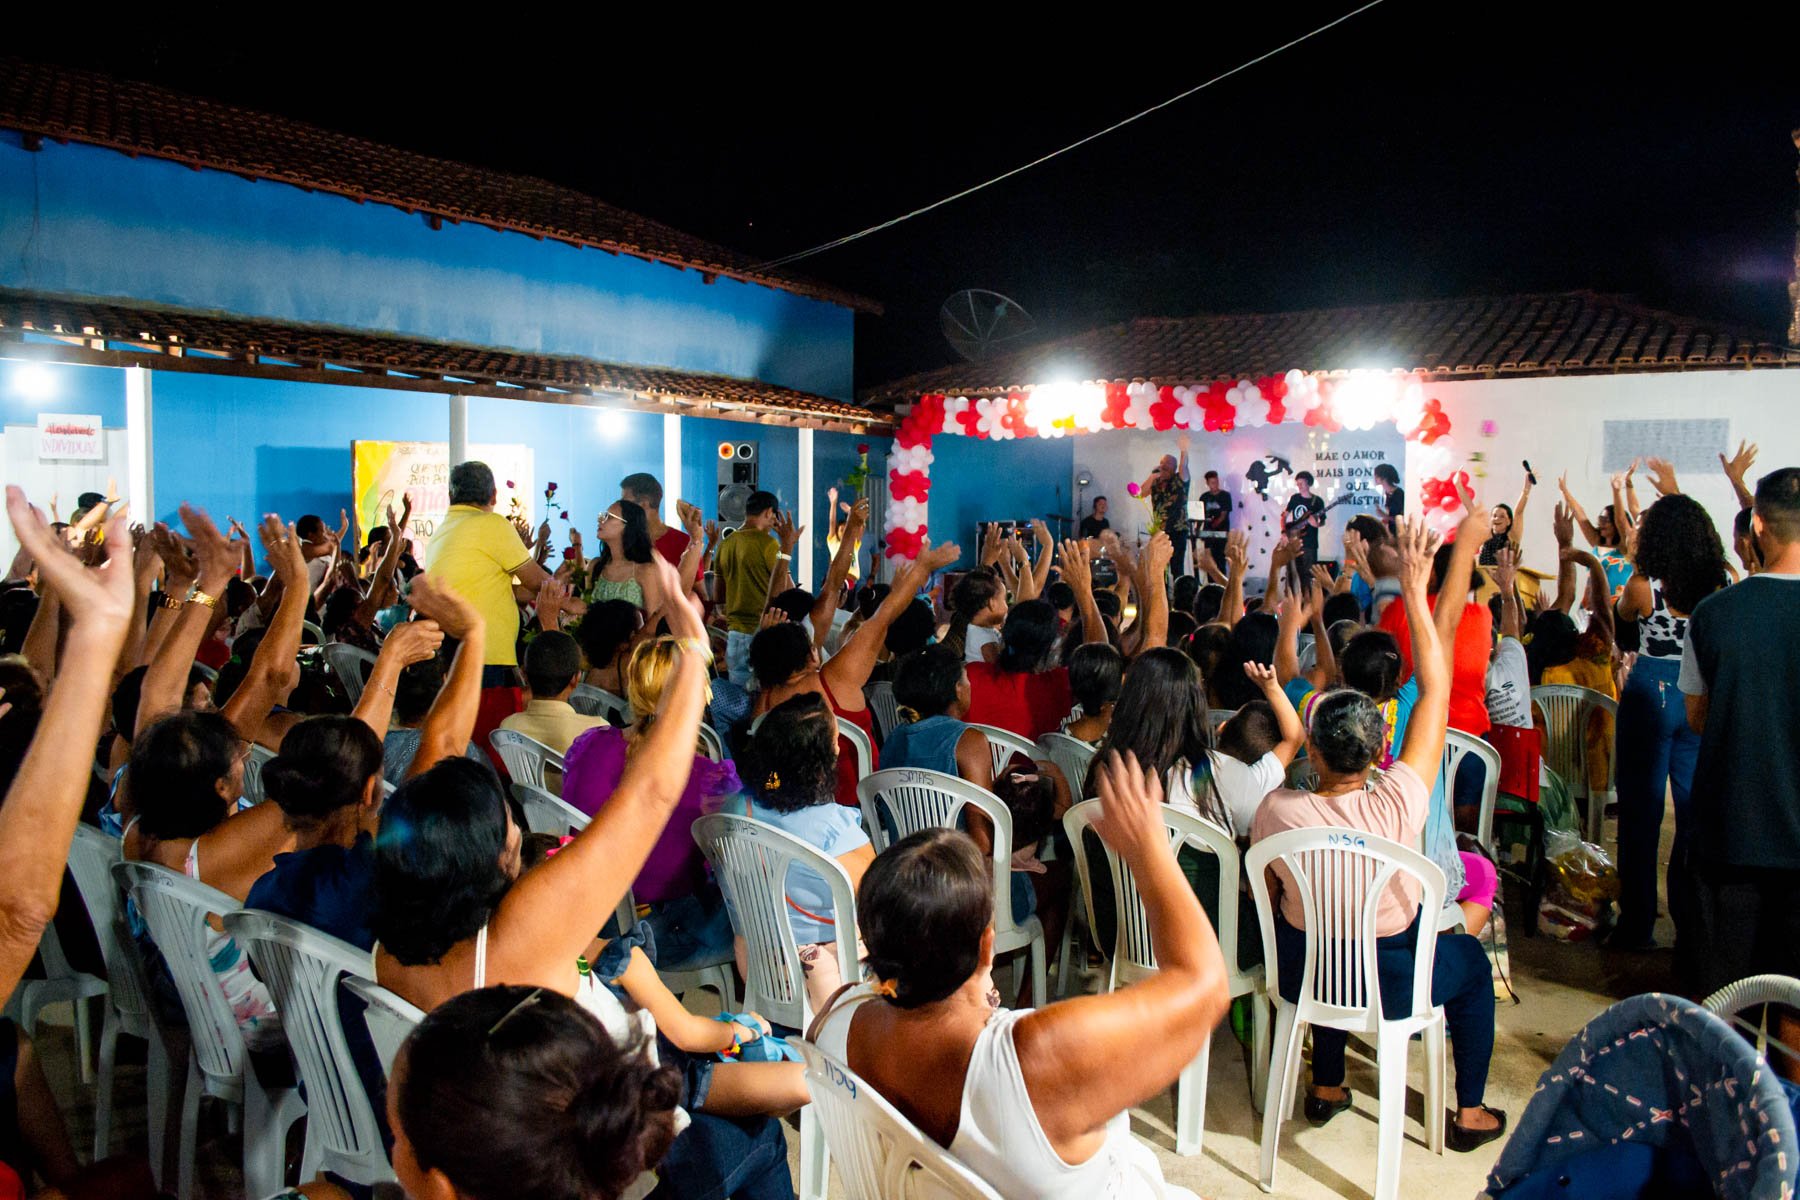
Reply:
x=477, y=553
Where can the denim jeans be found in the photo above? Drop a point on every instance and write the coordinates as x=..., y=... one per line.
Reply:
x=1462, y=981
x=1656, y=753
x=719, y=1157
x=690, y=929
x=737, y=657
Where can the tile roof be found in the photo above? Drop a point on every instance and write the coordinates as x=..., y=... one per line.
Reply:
x=106, y=325
x=1481, y=337
x=138, y=119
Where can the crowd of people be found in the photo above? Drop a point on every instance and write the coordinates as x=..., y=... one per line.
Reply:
x=554, y=1060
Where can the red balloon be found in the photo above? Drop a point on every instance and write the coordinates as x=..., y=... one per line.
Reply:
x=913, y=485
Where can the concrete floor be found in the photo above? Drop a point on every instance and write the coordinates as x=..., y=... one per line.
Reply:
x=1561, y=987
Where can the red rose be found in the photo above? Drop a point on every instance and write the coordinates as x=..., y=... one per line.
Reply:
x=862, y=447
x=509, y=483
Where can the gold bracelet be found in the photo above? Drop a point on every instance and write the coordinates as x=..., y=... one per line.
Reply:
x=168, y=600
x=196, y=596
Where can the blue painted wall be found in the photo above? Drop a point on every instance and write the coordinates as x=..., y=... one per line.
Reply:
x=778, y=455
x=26, y=389
x=974, y=481
x=79, y=220
x=243, y=447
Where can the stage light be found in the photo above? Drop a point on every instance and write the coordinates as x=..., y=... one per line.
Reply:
x=610, y=421
x=34, y=381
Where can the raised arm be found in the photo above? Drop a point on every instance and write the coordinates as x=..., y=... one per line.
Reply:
x=849, y=669
x=788, y=535
x=165, y=682
x=824, y=608
x=1287, y=722
x=552, y=911
x=1424, y=745
x=1516, y=534
x=1079, y=575
x=1737, y=467
x=1040, y=573
x=1152, y=595
x=1292, y=614
x=43, y=803
x=1453, y=592
x=383, y=591
x=689, y=568
x=1237, y=554
x=1099, y=1055
x=451, y=721
x=274, y=670
x=410, y=642
x=1506, y=578
x=1588, y=530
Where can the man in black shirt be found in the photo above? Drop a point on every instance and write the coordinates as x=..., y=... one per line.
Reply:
x=1215, y=519
x=1394, y=502
x=1302, y=519
x=1738, y=668
x=1167, y=488
x=1095, y=523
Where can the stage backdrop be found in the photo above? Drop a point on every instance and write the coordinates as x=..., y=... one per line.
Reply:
x=1256, y=466
x=383, y=471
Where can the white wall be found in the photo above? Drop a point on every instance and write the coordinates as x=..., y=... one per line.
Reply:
x=64, y=479
x=1558, y=423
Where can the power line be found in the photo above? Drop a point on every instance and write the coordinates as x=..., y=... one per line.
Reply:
x=969, y=191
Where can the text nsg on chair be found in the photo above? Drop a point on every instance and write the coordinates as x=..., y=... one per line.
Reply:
x=302, y=966
x=1568, y=712
x=897, y=803
x=751, y=861
x=525, y=757
x=1133, y=956
x=350, y=664
x=880, y=1154
x=92, y=856
x=1340, y=876
x=175, y=908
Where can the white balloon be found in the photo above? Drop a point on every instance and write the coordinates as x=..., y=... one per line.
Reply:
x=1140, y=396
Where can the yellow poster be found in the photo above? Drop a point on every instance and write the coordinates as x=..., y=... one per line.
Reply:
x=384, y=472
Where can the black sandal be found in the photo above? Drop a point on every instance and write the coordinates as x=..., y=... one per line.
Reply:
x=1463, y=1139
x=1320, y=1111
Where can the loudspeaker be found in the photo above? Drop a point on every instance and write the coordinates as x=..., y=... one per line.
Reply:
x=738, y=463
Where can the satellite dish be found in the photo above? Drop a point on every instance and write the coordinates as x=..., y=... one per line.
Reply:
x=981, y=324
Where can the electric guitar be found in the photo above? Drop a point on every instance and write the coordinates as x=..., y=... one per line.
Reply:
x=1297, y=526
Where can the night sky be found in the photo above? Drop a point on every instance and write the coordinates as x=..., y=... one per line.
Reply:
x=1420, y=150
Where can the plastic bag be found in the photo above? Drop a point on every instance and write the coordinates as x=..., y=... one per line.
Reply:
x=1582, y=889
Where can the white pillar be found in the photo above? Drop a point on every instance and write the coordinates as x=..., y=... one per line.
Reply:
x=671, y=479
x=459, y=429
x=138, y=484
x=803, y=570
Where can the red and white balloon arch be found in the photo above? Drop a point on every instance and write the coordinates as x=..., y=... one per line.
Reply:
x=1357, y=400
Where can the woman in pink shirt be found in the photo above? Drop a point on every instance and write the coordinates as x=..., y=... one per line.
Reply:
x=1343, y=741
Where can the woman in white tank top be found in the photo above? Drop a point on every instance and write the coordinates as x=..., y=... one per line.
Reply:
x=926, y=1038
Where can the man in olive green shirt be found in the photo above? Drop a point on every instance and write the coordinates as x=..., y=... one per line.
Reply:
x=745, y=563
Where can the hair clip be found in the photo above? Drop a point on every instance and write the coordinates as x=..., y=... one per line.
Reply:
x=515, y=1010
x=772, y=783
x=886, y=987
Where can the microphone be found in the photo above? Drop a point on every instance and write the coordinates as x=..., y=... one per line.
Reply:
x=1529, y=477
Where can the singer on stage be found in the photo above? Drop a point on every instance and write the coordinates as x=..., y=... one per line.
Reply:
x=1167, y=488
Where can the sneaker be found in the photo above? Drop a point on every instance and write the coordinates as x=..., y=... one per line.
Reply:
x=1319, y=1111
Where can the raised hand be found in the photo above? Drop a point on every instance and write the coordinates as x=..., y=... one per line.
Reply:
x=1237, y=552
x=1263, y=676
x=690, y=517
x=1130, y=819
x=1662, y=475
x=1072, y=561
x=343, y=529
x=179, y=566
x=1476, y=522
x=787, y=532
x=1040, y=532
x=990, y=544
x=432, y=598
x=1738, y=465
x=856, y=521
x=1416, y=544
x=550, y=599
x=1506, y=568
x=679, y=607
x=1157, y=555
x=1562, y=521
x=1285, y=552
x=281, y=545
x=772, y=616
x=936, y=558
x=217, y=557
x=414, y=641
x=1182, y=442
x=101, y=599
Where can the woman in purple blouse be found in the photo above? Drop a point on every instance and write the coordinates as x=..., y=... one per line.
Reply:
x=687, y=914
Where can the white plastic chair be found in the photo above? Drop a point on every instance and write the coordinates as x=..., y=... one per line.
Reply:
x=308, y=629
x=751, y=861
x=61, y=984
x=301, y=967
x=591, y=701
x=347, y=663
x=175, y=909
x=1457, y=744
x=1567, y=710
x=1340, y=875
x=1757, y=992
x=1216, y=717
x=911, y=799
x=259, y=757
x=1071, y=755
x=1133, y=956
x=880, y=1154
x=860, y=744
x=1003, y=744
x=387, y=1017
x=92, y=856
x=545, y=813
x=880, y=696
x=525, y=757
x=711, y=745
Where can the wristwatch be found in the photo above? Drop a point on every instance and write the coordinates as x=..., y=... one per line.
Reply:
x=196, y=596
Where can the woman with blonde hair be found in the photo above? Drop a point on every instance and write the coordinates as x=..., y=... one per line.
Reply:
x=686, y=915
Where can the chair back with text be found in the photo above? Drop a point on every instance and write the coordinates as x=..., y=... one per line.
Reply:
x=525, y=757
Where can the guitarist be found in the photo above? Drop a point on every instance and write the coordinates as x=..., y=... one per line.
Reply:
x=1304, y=514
